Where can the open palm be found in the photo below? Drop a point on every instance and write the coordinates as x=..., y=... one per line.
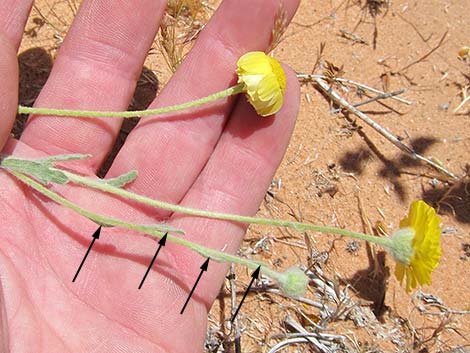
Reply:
x=221, y=157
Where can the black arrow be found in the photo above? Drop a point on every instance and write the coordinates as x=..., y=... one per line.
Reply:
x=203, y=268
x=254, y=276
x=96, y=235
x=161, y=243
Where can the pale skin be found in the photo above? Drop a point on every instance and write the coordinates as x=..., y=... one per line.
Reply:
x=221, y=157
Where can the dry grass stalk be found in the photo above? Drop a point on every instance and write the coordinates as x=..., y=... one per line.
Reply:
x=280, y=25
x=57, y=15
x=377, y=270
x=172, y=52
x=372, y=8
x=186, y=8
x=377, y=7
x=439, y=44
x=465, y=99
x=233, y=303
x=183, y=21
x=463, y=181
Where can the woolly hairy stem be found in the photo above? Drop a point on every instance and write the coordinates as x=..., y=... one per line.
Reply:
x=131, y=114
x=96, y=184
x=213, y=254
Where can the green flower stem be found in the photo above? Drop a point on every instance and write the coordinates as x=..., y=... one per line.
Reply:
x=104, y=221
x=132, y=114
x=96, y=184
x=213, y=254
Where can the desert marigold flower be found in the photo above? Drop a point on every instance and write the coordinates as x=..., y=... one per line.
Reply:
x=264, y=81
x=416, y=246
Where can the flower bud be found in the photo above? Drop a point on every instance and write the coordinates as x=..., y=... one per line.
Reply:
x=293, y=282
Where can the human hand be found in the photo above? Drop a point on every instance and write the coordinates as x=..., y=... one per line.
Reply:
x=220, y=157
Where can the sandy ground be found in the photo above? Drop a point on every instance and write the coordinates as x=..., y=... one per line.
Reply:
x=340, y=172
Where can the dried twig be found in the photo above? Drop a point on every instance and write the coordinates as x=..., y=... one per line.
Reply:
x=233, y=303
x=353, y=36
x=287, y=342
x=406, y=67
x=297, y=327
x=338, y=99
x=377, y=270
x=433, y=301
x=373, y=99
x=311, y=77
x=425, y=40
x=319, y=340
x=464, y=101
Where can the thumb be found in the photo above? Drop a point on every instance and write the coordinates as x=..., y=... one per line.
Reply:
x=8, y=88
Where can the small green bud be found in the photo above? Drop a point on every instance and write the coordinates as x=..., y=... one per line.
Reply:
x=401, y=247
x=293, y=281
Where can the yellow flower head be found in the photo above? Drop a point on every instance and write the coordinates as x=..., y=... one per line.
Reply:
x=417, y=245
x=264, y=81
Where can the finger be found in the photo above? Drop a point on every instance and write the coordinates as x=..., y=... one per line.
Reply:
x=185, y=142
x=8, y=88
x=97, y=68
x=235, y=180
x=13, y=16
